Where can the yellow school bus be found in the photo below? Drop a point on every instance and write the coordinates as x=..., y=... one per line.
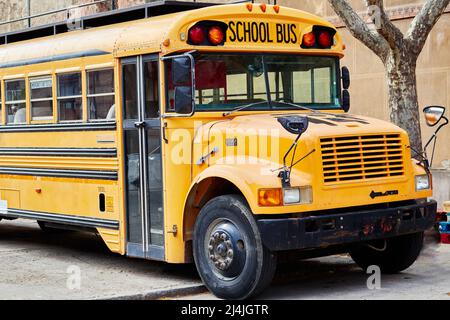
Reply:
x=215, y=134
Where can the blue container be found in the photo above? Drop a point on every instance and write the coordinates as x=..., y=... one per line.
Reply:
x=444, y=227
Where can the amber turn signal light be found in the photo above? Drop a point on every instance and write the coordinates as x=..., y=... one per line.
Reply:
x=216, y=36
x=270, y=197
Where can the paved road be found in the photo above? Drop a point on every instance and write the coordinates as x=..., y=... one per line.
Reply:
x=35, y=265
x=337, y=277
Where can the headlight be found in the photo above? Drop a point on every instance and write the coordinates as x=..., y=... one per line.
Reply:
x=286, y=196
x=301, y=195
x=291, y=196
x=422, y=182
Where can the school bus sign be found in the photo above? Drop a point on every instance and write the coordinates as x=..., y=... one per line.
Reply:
x=268, y=34
x=264, y=32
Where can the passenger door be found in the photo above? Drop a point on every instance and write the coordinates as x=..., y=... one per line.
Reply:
x=143, y=157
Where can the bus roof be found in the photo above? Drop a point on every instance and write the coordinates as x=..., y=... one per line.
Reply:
x=152, y=9
x=148, y=35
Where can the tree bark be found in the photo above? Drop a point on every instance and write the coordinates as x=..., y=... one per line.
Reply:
x=399, y=54
x=403, y=100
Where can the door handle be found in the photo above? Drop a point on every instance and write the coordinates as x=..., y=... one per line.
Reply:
x=140, y=124
x=164, y=133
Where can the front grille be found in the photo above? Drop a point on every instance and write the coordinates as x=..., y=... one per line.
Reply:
x=359, y=158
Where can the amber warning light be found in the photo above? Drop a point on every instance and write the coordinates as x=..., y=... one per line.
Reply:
x=208, y=33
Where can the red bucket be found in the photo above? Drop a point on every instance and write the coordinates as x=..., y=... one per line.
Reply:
x=445, y=238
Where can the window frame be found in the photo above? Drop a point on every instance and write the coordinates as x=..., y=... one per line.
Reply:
x=322, y=106
x=59, y=98
x=47, y=119
x=99, y=95
x=8, y=103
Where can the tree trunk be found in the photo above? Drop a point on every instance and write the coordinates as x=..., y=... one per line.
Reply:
x=399, y=53
x=403, y=102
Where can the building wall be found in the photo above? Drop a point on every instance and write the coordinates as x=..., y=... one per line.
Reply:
x=369, y=91
x=14, y=9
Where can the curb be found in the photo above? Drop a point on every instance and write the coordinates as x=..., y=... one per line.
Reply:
x=163, y=293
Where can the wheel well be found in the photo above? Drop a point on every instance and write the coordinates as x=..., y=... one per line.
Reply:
x=201, y=193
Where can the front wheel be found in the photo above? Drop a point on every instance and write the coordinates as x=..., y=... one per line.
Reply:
x=392, y=255
x=229, y=254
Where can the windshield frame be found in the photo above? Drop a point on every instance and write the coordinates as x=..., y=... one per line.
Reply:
x=268, y=105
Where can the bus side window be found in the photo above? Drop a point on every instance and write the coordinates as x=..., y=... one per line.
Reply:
x=170, y=87
x=41, y=98
x=101, y=97
x=69, y=97
x=16, y=102
x=151, y=89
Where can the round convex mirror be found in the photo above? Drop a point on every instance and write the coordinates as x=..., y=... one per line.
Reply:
x=433, y=114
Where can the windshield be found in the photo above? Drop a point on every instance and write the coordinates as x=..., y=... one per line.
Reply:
x=227, y=81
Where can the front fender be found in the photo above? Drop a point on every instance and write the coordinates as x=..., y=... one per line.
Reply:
x=245, y=177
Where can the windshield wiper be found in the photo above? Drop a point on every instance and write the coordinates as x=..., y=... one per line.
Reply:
x=298, y=106
x=226, y=114
x=306, y=108
x=268, y=103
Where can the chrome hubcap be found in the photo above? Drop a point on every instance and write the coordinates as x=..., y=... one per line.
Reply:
x=225, y=247
x=221, y=251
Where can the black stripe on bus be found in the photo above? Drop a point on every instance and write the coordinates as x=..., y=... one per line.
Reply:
x=62, y=219
x=60, y=152
x=61, y=57
x=94, y=126
x=59, y=173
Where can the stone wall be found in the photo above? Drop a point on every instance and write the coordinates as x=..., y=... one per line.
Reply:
x=14, y=9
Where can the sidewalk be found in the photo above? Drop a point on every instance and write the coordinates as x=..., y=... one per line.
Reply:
x=35, y=265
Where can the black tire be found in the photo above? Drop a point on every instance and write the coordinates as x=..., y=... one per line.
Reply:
x=251, y=267
x=399, y=253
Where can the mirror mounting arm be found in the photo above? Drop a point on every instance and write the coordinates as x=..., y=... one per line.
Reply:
x=423, y=159
x=434, y=136
x=428, y=163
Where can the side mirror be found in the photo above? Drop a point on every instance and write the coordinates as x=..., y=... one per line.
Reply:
x=182, y=82
x=183, y=100
x=433, y=115
x=345, y=74
x=296, y=125
x=345, y=100
x=181, y=71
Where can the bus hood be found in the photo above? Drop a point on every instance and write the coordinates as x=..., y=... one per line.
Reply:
x=267, y=131
x=263, y=140
x=320, y=124
x=338, y=155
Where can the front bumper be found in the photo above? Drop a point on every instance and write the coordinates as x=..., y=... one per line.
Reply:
x=345, y=228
